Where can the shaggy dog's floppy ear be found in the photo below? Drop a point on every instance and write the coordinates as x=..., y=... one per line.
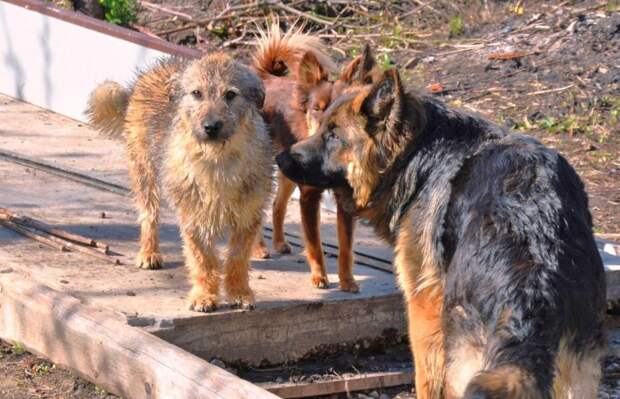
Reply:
x=362, y=69
x=382, y=103
x=257, y=95
x=310, y=71
x=175, y=91
x=253, y=89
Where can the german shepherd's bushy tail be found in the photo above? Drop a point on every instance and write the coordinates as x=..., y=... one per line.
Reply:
x=279, y=53
x=506, y=382
x=107, y=107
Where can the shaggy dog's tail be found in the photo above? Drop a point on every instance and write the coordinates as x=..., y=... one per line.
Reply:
x=279, y=54
x=107, y=107
x=506, y=382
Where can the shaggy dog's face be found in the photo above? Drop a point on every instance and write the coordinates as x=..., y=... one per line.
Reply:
x=215, y=95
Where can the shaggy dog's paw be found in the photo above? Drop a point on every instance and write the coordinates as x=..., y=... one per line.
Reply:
x=349, y=285
x=150, y=261
x=320, y=282
x=203, y=303
x=239, y=296
x=282, y=247
x=241, y=303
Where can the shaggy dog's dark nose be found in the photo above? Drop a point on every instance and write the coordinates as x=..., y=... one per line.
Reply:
x=212, y=129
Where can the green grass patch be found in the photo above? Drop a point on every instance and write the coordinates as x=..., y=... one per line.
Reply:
x=457, y=26
x=18, y=349
x=102, y=393
x=119, y=12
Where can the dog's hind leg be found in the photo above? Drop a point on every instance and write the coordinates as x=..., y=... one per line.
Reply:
x=310, y=203
x=143, y=177
x=204, y=272
x=285, y=190
x=237, y=266
x=346, y=225
x=260, y=250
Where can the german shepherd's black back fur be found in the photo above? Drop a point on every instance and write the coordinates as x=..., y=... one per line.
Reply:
x=503, y=223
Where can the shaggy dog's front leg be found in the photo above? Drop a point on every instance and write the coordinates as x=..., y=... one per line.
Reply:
x=237, y=266
x=204, y=272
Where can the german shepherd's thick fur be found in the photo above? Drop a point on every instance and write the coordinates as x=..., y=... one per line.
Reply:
x=295, y=69
x=504, y=286
x=195, y=128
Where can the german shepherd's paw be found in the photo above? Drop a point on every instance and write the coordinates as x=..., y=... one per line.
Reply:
x=320, y=282
x=149, y=261
x=349, y=285
x=202, y=302
x=282, y=247
x=260, y=251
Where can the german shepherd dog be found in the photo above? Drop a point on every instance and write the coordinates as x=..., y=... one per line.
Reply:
x=195, y=128
x=295, y=70
x=504, y=286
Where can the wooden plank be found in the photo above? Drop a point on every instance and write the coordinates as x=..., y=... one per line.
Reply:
x=105, y=350
x=345, y=385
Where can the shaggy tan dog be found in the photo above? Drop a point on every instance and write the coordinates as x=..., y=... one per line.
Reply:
x=195, y=128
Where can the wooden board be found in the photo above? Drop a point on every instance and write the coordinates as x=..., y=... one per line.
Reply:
x=346, y=385
x=104, y=349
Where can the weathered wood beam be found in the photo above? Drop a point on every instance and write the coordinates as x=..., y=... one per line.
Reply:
x=100, y=346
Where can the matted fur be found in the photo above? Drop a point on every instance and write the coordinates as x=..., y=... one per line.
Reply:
x=495, y=255
x=219, y=180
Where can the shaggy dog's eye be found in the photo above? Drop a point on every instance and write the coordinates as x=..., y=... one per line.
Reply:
x=316, y=108
x=230, y=95
x=197, y=94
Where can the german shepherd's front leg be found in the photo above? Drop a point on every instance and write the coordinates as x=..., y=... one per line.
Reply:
x=237, y=266
x=426, y=339
x=310, y=204
x=204, y=272
x=346, y=224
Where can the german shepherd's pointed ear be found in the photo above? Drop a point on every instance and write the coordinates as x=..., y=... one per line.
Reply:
x=310, y=71
x=382, y=103
x=362, y=69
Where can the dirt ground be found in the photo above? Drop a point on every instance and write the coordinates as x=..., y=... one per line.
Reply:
x=546, y=68
x=26, y=376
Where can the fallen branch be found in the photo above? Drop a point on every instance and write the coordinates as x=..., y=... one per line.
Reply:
x=55, y=237
x=165, y=10
x=535, y=93
x=30, y=234
x=510, y=55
